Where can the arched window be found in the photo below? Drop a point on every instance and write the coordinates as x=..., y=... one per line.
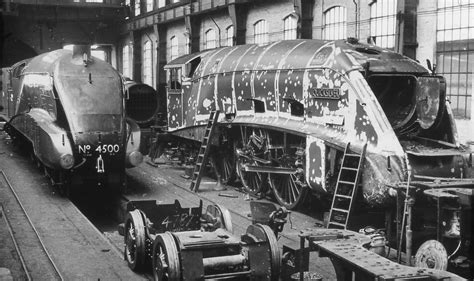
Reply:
x=126, y=61
x=137, y=7
x=383, y=22
x=289, y=28
x=210, y=39
x=260, y=32
x=147, y=63
x=174, y=48
x=335, y=23
x=230, y=36
x=149, y=5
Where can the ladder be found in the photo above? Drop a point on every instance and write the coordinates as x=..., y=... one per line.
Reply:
x=346, y=188
x=203, y=154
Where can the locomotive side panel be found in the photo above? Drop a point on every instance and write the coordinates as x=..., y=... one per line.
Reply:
x=264, y=78
x=243, y=81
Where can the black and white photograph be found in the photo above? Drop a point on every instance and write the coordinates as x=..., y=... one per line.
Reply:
x=259, y=140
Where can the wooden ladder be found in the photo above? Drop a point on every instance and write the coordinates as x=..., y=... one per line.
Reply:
x=203, y=154
x=346, y=188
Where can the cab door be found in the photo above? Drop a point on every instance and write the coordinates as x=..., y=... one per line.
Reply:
x=175, y=97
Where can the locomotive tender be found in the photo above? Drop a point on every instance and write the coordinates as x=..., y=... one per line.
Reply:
x=291, y=107
x=70, y=107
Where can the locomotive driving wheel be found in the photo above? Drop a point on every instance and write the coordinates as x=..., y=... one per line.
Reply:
x=250, y=152
x=290, y=190
x=135, y=240
x=264, y=267
x=166, y=264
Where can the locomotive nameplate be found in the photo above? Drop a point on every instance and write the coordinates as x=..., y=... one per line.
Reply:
x=325, y=93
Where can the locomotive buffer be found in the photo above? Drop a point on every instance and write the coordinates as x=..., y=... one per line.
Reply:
x=346, y=188
x=204, y=151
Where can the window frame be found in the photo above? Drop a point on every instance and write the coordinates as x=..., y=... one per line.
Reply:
x=290, y=27
x=329, y=29
x=260, y=33
x=147, y=75
x=383, y=13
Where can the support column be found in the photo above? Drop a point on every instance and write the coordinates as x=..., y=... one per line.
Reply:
x=160, y=33
x=304, y=13
x=405, y=42
x=238, y=15
x=192, y=30
x=161, y=53
x=136, y=55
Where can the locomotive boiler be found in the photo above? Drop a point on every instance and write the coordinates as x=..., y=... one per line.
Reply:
x=290, y=109
x=70, y=109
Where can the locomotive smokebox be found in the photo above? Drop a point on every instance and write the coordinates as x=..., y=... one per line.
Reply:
x=142, y=103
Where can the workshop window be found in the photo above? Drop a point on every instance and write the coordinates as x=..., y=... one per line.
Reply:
x=149, y=5
x=127, y=3
x=455, y=52
x=260, y=32
x=126, y=61
x=137, y=7
x=289, y=28
x=175, y=79
x=100, y=54
x=147, y=63
x=335, y=23
x=210, y=39
x=383, y=23
x=161, y=3
x=94, y=1
x=174, y=47
x=230, y=36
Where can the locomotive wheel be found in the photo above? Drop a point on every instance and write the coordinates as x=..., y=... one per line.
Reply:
x=252, y=182
x=432, y=254
x=135, y=240
x=222, y=215
x=263, y=233
x=166, y=263
x=289, y=190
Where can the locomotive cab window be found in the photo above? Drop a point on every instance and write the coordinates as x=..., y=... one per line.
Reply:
x=174, y=76
x=17, y=70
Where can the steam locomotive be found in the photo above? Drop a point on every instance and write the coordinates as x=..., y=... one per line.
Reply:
x=290, y=109
x=70, y=109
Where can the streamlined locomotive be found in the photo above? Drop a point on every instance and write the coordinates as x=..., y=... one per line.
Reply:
x=70, y=108
x=290, y=109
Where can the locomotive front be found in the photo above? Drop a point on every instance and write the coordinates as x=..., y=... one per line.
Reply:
x=71, y=110
x=104, y=141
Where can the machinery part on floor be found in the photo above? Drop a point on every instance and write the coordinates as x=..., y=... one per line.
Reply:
x=134, y=237
x=183, y=244
x=166, y=263
x=432, y=254
x=197, y=255
x=269, y=214
x=217, y=216
x=351, y=258
x=264, y=261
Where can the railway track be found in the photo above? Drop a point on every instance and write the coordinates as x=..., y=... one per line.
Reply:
x=36, y=261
